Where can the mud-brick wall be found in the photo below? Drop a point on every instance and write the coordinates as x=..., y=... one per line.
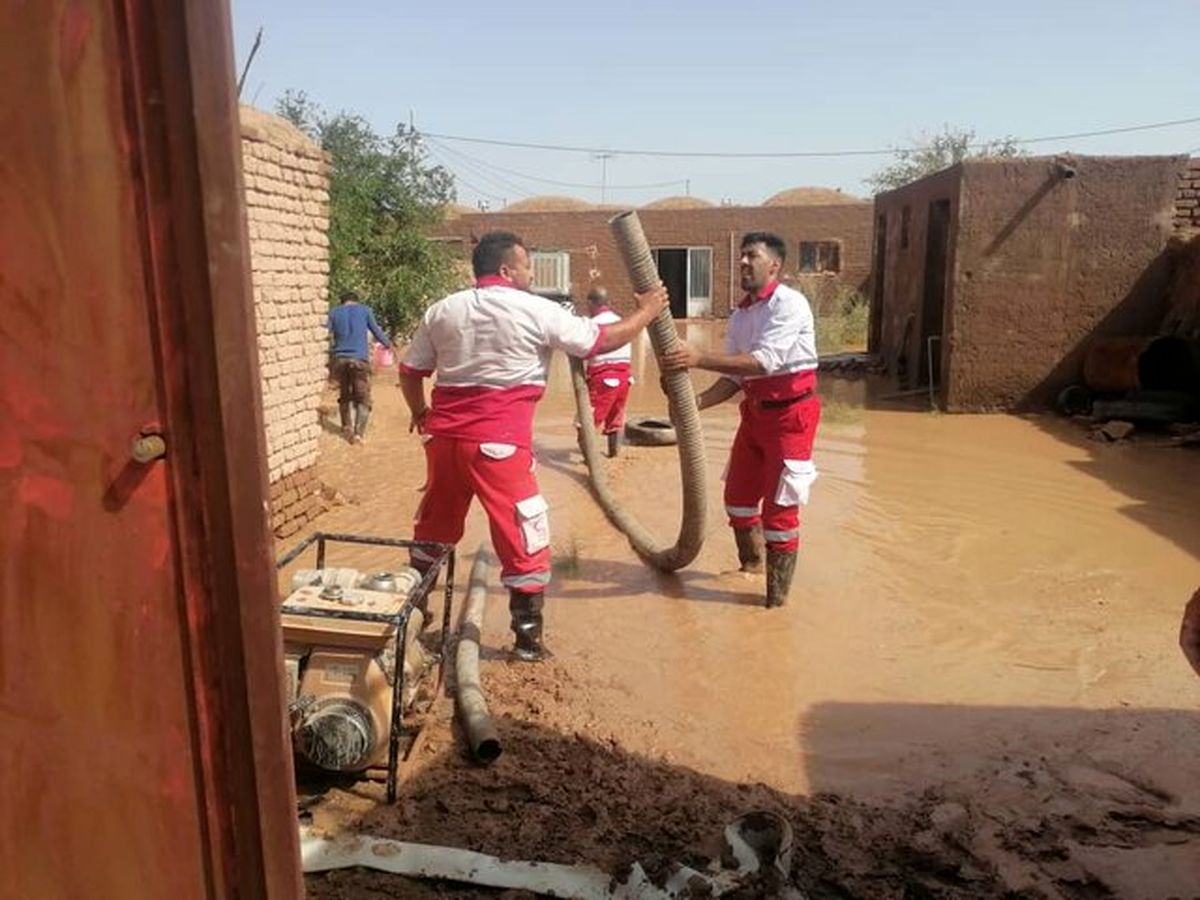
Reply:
x=1187, y=198
x=902, y=231
x=287, y=210
x=1046, y=264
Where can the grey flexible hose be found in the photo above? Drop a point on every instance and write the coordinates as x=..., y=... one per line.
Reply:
x=631, y=241
x=472, y=706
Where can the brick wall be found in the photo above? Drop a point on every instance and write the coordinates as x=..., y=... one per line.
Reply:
x=287, y=198
x=595, y=261
x=1187, y=198
x=1183, y=299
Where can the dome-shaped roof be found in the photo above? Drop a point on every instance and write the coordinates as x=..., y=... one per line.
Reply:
x=548, y=203
x=678, y=203
x=810, y=196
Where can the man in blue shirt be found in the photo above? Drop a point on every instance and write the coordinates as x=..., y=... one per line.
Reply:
x=351, y=366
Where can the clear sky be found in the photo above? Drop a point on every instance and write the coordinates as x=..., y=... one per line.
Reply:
x=728, y=77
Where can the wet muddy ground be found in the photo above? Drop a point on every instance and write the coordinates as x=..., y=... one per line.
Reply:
x=975, y=690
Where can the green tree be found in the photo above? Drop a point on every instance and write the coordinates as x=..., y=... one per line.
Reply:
x=384, y=196
x=935, y=153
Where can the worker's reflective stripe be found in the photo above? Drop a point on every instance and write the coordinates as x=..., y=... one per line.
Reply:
x=423, y=555
x=779, y=537
x=742, y=512
x=528, y=579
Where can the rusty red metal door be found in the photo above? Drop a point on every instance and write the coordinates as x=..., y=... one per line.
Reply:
x=142, y=743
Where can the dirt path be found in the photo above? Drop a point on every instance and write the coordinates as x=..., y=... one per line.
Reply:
x=975, y=689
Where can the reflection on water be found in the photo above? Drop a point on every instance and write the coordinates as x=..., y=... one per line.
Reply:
x=945, y=559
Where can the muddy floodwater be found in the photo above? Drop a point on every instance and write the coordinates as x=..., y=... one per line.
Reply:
x=975, y=688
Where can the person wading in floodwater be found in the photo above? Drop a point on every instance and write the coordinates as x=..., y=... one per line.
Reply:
x=771, y=358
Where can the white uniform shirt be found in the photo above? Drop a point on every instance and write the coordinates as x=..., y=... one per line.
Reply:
x=490, y=347
x=496, y=337
x=777, y=331
x=623, y=354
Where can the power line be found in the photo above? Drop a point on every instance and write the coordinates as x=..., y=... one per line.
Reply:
x=480, y=192
x=503, y=184
x=458, y=161
x=891, y=151
x=476, y=189
x=551, y=181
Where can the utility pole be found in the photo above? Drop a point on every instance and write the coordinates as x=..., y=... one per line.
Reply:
x=411, y=140
x=687, y=187
x=604, y=158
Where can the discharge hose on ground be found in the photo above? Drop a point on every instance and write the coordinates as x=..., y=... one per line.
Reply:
x=472, y=706
x=631, y=241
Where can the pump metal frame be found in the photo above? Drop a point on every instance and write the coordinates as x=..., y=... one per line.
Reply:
x=442, y=554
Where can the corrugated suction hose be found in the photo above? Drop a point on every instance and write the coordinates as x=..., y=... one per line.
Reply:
x=631, y=241
x=472, y=705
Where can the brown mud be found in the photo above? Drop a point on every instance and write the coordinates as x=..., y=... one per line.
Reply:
x=975, y=690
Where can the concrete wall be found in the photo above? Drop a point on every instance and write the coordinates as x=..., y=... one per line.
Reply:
x=595, y=261
x=896, y=304
x=1045, y=264
x=287, y=199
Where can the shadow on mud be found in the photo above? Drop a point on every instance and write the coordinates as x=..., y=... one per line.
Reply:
x=1096, y=809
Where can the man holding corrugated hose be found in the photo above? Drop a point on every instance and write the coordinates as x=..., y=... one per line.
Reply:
x=490, y=346
x=771, y=357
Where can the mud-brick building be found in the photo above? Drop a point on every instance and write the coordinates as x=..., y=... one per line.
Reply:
x=696, y=245
x=286, y=177
x=993, y=277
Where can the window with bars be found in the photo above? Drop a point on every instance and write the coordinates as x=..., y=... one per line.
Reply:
x=699, y=275
x=820, y=256
x=551, y=270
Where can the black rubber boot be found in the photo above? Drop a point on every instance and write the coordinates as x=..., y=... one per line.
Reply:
x=526, y=612
x=781, y=566
x=750, y=548
x=614, y=444
x=362, y=415
x=344, y=412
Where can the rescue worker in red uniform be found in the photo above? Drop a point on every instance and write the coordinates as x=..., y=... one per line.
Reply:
x=490, y=347
x=608, y=376
x=771, y=358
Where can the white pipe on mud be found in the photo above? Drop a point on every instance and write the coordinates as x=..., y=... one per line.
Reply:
x=472, y=706
x=755, y=841
x=320, y=854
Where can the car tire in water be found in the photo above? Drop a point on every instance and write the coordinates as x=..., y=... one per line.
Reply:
x=650, y=432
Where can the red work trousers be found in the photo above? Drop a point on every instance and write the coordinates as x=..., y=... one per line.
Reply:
x=608, y=389
x=771, y=463
x=501, y=476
